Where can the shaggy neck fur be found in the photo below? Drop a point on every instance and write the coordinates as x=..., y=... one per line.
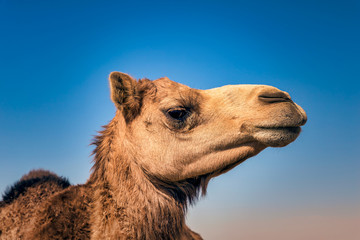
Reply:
x=128, y=202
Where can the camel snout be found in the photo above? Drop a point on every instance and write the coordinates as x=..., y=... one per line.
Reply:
x=270, y=95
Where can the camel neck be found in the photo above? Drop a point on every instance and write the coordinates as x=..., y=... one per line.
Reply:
x=131, y=212
x=126, y=202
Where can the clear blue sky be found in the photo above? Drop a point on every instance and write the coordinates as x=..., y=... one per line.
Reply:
x=55, y=57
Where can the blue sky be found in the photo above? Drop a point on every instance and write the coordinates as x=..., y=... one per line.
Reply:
x=55, y=57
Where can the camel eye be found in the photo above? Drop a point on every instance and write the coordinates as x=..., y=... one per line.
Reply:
x=178, y=113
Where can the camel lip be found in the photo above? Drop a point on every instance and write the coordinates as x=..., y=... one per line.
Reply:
x=276, y=136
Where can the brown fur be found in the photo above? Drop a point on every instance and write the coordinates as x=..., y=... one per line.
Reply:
x=151, y=161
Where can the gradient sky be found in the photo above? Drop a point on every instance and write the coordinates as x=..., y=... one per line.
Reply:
x=55, y=57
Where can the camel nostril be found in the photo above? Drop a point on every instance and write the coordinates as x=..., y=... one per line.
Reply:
x=273, y=97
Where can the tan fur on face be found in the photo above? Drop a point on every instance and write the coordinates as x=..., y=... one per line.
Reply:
x=226, y=125
x=151, y=161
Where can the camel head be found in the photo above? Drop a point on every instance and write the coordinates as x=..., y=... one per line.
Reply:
x=175, y=132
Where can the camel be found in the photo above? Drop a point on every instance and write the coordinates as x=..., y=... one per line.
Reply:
x=154, y=159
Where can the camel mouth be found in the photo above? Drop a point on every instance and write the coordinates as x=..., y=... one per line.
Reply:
x=295, y=129
x=277, y=136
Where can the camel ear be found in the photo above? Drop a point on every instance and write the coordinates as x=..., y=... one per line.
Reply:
x=124, y=94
